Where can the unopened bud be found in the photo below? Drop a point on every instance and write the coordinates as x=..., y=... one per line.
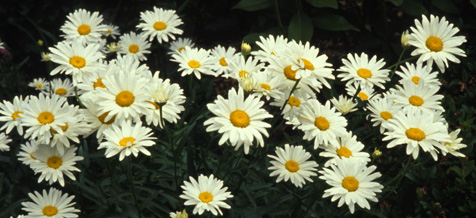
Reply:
x=245, y=48
x=376, y=154
x=40, y=42
x=405, y=39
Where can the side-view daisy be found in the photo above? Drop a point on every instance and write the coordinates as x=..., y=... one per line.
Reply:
x=292, y=163
x=435, y=41
x=161, y=24
x=4, y=140
x=50, y=204
x=455, y=144
x=351, y=183
x=39, y=84
x=240, y=120
x=208, y=194
x=11, y=114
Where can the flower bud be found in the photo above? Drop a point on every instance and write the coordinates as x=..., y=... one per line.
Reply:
x=405, y=39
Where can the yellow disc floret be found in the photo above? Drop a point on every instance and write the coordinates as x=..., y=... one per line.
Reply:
x=322, y=123
x=125, y=98
x=364, y=73
x=265, y=87
x=133, y=48
x=84, y=29
x=239, y=118
x=223, y=62
x=243, y=74
x=104, y=115
x=386, y=115
x=160, y=26
x=292, y=166
x=434, y=44
x=363, y=96
x=46, y=117
x=307, y=64
x=50, y=210
x=290, y=73
x=293, y=101
x=54, y=162
x=16, y=114
x=127, y=141
x=416, y=100
x=77, y=61
x=99, y=84
x=416, y=79
x=61, y=91
x=350, y=183
x=415, y=134
x=344, y=152
x=205, y=197
x=194, y=64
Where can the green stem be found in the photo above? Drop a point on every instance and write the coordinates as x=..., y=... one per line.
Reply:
x=278, y=15
x=290, y=94
x=131, y=181
x=398, y=62
x=399, y=177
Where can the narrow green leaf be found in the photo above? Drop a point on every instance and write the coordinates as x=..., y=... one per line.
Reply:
x=253, y=5
x=324, y=3
x=473, y=2
x=446, y=6
x=397, y=2
x=457, y=170
x=333, y=22
x=469, y=168
x=300, y=28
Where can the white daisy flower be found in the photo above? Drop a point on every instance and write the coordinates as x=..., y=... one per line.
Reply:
x=343, y=104
x=365, y=92
x=63, y=88
x=76, y=59
x=74, y=127
x=167, y=99
x=194, y=60
x=4, y=140
x=40, y=84
x=240, y=120
x=418, y=73
x=83, y=26
x=364, y=72
x=292, y=163
x=417, y=129
x=161, y=24
x=382, y=110
x=179, y=214
x=111, y=31
x=454, y=145
x=347, y=147
x=242, y=69
x=43, y=114
x=266, y=85
x=135, y=45
x=208, y=194
x=53, y=204
x=179, y=45
x=54, y=166
x=435, y=41
x=11, y=114
x=292, y=111
x=97, y=121
x=270, y=46
x=222, y=58
x=322, y=123
x=352, y=183
x=26, y=153
x=126, y=139
x=45, y=56
x=420, y=96
x=125, y=96
x=128, y=64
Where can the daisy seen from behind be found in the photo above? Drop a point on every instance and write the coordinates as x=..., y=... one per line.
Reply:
x=240, y=120
x=135, y=45
x=50, y=204
x=292, y=163
x=127, y=138
x=207, y=194
x=351, y=183
x=417, y=129
x=322, y=123
x=435, y=41
x=194, y=60
x=161, y=24
x=83, y=26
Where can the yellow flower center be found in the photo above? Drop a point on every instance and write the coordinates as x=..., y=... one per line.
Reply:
x=104, y=115
x=155, y=104
x=160, y=26
x=416, y=79
x=125, y=98
x=386, y=115
x=364, y=73
x=415, y=134
x=293, y=101
x=223, y=62
x=290, y=73
x=50, y=210
x=31, y=155
x=39, y=86
x=307, y=64
x=77, y=62
x=415, y=100
x=266, y=87
x=46, y=117
x=205, y=197
x=344, y=152
x=272, y=53
x=292, y=166
x=180, y=49
x=133, y=48
x=99, y=84
x=243, y=74
x=63, y=127
x=350, y=183
x=239, y=118
x=61, y=91
x=194, y=64
x=84, y=29
x=108, y=31
x=434, y=44
x=363, y=96
x=16, y=114
x=127, y=141
x=322, y=123
x=54, y=162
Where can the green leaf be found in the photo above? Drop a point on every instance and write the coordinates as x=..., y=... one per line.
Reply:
x=333, y=22
x=457, y=170
x=324, y=3
x=469, y=168
x=414, y=8
x=397, y=2
x=253, y=5
x=446, y=6
x=300, y=28
x=473, y=2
